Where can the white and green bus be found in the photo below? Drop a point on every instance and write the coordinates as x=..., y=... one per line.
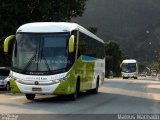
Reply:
x=56, y=58
x=129, y=69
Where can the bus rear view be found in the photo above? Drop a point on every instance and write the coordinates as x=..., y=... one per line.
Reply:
x=129, y=69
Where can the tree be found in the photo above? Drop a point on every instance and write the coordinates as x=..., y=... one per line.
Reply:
x=14, y=13
x=141, y=67
x=155, y=65
x=114, y=58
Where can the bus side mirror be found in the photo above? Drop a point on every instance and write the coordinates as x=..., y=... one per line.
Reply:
x=7, y=41
x=71, y=44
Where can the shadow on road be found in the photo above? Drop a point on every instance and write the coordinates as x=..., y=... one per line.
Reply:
x=102, y=103
x=62, y=98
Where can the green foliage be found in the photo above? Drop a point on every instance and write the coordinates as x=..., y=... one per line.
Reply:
x=14, y=13
x=155, y=65
x=113, y=58
x=141, y=67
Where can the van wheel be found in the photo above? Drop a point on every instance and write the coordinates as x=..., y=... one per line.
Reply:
x=135, y=78
x=30, y=96
x=74, y=96
x=8, y=87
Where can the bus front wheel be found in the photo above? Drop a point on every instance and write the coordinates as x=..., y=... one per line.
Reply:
x=30, y=96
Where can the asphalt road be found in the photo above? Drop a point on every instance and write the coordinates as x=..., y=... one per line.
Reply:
x=116, y=96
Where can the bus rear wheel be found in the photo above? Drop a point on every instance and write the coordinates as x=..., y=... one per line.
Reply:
x=95, y=90
x=30, y=96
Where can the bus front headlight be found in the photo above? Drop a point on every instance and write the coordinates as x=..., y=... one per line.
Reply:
x=58, y=80
x=55, y=81
x=18, y=80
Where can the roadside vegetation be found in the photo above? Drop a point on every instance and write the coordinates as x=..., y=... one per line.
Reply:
x=18, y=12
x=114, y=57
x=156, y=65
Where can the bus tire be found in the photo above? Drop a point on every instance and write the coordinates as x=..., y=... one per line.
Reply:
x=74, y=96
x=95, y=90
x=30, y=96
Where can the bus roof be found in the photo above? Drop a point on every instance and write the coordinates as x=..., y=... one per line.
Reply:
x=51, y=27
x=129, y=61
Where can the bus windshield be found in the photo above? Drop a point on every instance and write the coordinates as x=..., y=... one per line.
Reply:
x=40, y=52
x=129, y=67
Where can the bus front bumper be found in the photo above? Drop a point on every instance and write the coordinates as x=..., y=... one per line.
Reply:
x=129, y=75
x=61, y=88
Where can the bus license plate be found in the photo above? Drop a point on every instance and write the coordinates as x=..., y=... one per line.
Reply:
x=36, y=89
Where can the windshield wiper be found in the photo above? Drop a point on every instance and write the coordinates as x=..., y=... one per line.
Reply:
x=30, y=61
x=45, y=61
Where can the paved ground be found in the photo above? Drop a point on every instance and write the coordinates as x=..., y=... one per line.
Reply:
x=115, y=96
